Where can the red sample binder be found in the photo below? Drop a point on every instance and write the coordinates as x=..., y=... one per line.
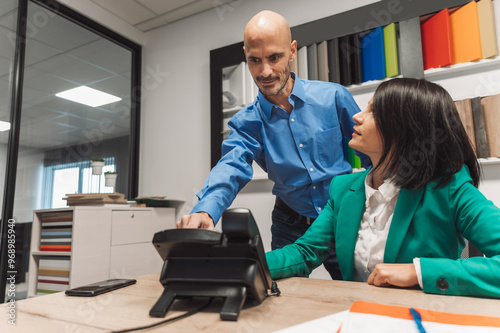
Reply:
x=436, y=40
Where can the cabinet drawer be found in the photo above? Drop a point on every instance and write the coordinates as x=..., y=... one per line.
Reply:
x=133, y=260
x=131, y=226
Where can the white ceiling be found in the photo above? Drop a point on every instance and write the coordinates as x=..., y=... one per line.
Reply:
x=150, y=14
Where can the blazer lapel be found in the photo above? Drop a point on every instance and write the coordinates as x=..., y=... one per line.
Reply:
x=406, y=205
x=350, y=214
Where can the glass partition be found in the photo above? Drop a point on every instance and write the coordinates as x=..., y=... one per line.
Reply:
x=59, y=135
x=56, y=135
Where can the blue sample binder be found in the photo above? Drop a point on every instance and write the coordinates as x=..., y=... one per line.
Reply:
x=373, y=55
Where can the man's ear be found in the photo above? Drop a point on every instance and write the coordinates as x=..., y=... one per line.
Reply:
x=293, y=50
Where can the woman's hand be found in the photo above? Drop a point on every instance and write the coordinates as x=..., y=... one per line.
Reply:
x=400, y=275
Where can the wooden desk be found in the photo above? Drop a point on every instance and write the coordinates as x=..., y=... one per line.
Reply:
x=301, y=300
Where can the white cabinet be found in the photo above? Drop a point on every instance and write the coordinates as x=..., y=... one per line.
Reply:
x=99, y=243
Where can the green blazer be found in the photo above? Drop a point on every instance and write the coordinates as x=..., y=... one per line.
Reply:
x=428, y=223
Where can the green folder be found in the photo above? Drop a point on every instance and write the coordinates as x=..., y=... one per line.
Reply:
x=350, y=155
x=391, y=50
x=352, y=158
x=357, y=162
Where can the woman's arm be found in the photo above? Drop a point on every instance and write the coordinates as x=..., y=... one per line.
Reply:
x=308, y=252
x=479, y=221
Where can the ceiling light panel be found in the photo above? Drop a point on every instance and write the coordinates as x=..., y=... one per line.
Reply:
x=88, y=96
x=4, y=126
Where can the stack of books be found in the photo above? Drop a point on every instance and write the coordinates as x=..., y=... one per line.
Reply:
x=95, y=199
x=481, y=119
x=53, y=275
x=57, y=230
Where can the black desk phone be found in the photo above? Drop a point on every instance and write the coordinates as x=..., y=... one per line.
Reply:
x=208, y=263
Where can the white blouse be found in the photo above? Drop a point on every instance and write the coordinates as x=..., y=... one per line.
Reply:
x=374, y=227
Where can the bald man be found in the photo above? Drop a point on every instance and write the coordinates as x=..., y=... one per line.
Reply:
x=294, y=130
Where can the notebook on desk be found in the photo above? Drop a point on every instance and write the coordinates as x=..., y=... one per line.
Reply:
x=377, y=318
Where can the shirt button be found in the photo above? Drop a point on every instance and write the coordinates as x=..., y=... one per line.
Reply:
x=301, y=145
x=314, y=187
x=293, y=120
x=311, y=169
x=319, y=208
x=442, y=284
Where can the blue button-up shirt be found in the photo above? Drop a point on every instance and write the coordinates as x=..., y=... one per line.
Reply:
x=301, y=151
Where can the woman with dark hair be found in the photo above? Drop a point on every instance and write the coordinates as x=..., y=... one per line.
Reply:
x=404, y=221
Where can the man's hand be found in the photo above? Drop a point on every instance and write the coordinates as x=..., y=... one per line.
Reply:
x=196, y=220
x=400, y=275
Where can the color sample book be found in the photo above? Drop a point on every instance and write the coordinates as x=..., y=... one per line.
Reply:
x=373, y=55
x=333, y=61
x=482, y=149
x=436, y=40
x=302, y=63
x=53, y=275
x=323, y=61
x=391, y=50
x=491, y=113
x=345, y=60
x=466, y=40
x=464, y=108
x=487, y=31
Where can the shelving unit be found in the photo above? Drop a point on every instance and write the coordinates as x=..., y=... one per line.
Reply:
x=462, y=67
x=105, y=242
x=238, y=83
x=434, y=74
x=489, y=161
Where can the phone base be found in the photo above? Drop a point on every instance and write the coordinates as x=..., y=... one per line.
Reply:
x=234, y=297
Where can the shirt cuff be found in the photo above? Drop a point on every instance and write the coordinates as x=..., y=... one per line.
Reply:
x=210, y=209
x=416, y=263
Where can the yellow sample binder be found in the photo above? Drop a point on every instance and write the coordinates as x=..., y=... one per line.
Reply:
x=391, y=50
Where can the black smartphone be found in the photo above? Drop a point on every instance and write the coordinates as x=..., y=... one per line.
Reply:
x=98, y=288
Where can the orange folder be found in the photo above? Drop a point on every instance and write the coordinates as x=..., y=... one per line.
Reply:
x=376, y=317
x=465, y=36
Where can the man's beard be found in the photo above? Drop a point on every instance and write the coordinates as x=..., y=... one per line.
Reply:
x=274, y=92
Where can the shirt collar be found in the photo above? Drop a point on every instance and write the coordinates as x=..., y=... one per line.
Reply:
x=388, y=190
x=297, y=91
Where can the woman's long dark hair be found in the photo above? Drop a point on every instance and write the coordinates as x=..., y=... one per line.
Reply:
x=423, y=137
